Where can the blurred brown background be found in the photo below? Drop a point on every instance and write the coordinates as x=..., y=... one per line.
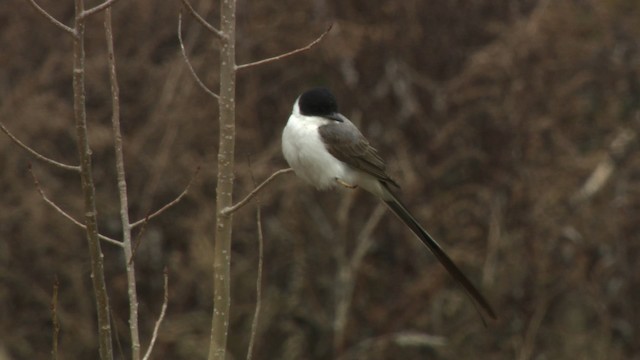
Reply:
x=511, y=125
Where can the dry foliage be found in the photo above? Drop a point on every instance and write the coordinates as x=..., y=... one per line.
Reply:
x=494, y=116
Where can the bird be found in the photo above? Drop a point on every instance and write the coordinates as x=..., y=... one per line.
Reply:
x=326, y=150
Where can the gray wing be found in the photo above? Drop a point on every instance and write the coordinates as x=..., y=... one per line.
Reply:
x=345, y=142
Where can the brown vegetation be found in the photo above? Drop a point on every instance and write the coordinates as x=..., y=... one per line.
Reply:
x=511, y=126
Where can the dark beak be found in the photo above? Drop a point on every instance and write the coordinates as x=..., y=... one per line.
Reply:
x=336, y=117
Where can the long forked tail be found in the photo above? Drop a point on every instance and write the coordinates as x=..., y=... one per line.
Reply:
x=401, y=211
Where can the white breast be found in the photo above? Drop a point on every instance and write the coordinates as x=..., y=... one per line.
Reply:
x=306, y=153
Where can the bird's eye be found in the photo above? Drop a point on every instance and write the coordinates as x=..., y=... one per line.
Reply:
x=336, y=117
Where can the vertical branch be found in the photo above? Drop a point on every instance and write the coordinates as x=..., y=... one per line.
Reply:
x=163, y=311
x=88, y=189
x=224, y=190
x=54, y=319
x=256, y=315
x=346, y=279
x=344, y=274
x=122, y=190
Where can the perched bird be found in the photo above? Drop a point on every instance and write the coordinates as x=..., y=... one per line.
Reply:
x=325, y=149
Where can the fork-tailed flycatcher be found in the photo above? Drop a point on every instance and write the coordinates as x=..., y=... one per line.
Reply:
x=325, y=149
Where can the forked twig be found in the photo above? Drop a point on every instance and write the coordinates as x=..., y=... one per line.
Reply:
x=97, y=9
x=252, y=194
x=202, y=21
x=186, y=60
x=163, y=311
x=169, y=204
x=290, y=53
x=63, y=213
x=53, y=20
x=37, y=154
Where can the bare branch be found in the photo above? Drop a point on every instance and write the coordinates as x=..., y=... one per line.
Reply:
x=37, y=154
x=186, y=60
x=290, y=53
x=122, y=183
x=494, y=239
x=364, y=238
x=224, y=184
x=163, y=311
x=168, y=205
x=533, y=328
x=256, y=315
x=138, y=239
x=202, y=21
x=54, y=318
x=90, y=212
x=346, y=280
x=252, y=194
x=116, y=336
x=63, y=213
x=401, y=339
x=53, y=20
x=97, y=9
x=600, y=176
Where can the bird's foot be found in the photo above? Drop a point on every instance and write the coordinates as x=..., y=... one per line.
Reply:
x=347, y=185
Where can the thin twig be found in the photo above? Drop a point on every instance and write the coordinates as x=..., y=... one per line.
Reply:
x=347, y=276
x=97, y=9
x=90, y=212
x=401, y=339
x=168, y=205
x=290, y=53
x=364, y=238
x=533, y=327
x=37, y=154
x=252, y=194
x=63, y=213
x=256, y=315
x=138, y=239
x=122, y=184
x=344, y=277
x=494, y=238
x=186, y=60
x=54, y=318
x=53, y=20
x=202, y=21
x=163, y=311
x=116, y=334
x=603, y=172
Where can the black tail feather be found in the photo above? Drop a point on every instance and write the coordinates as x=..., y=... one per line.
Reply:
x=401, y=211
